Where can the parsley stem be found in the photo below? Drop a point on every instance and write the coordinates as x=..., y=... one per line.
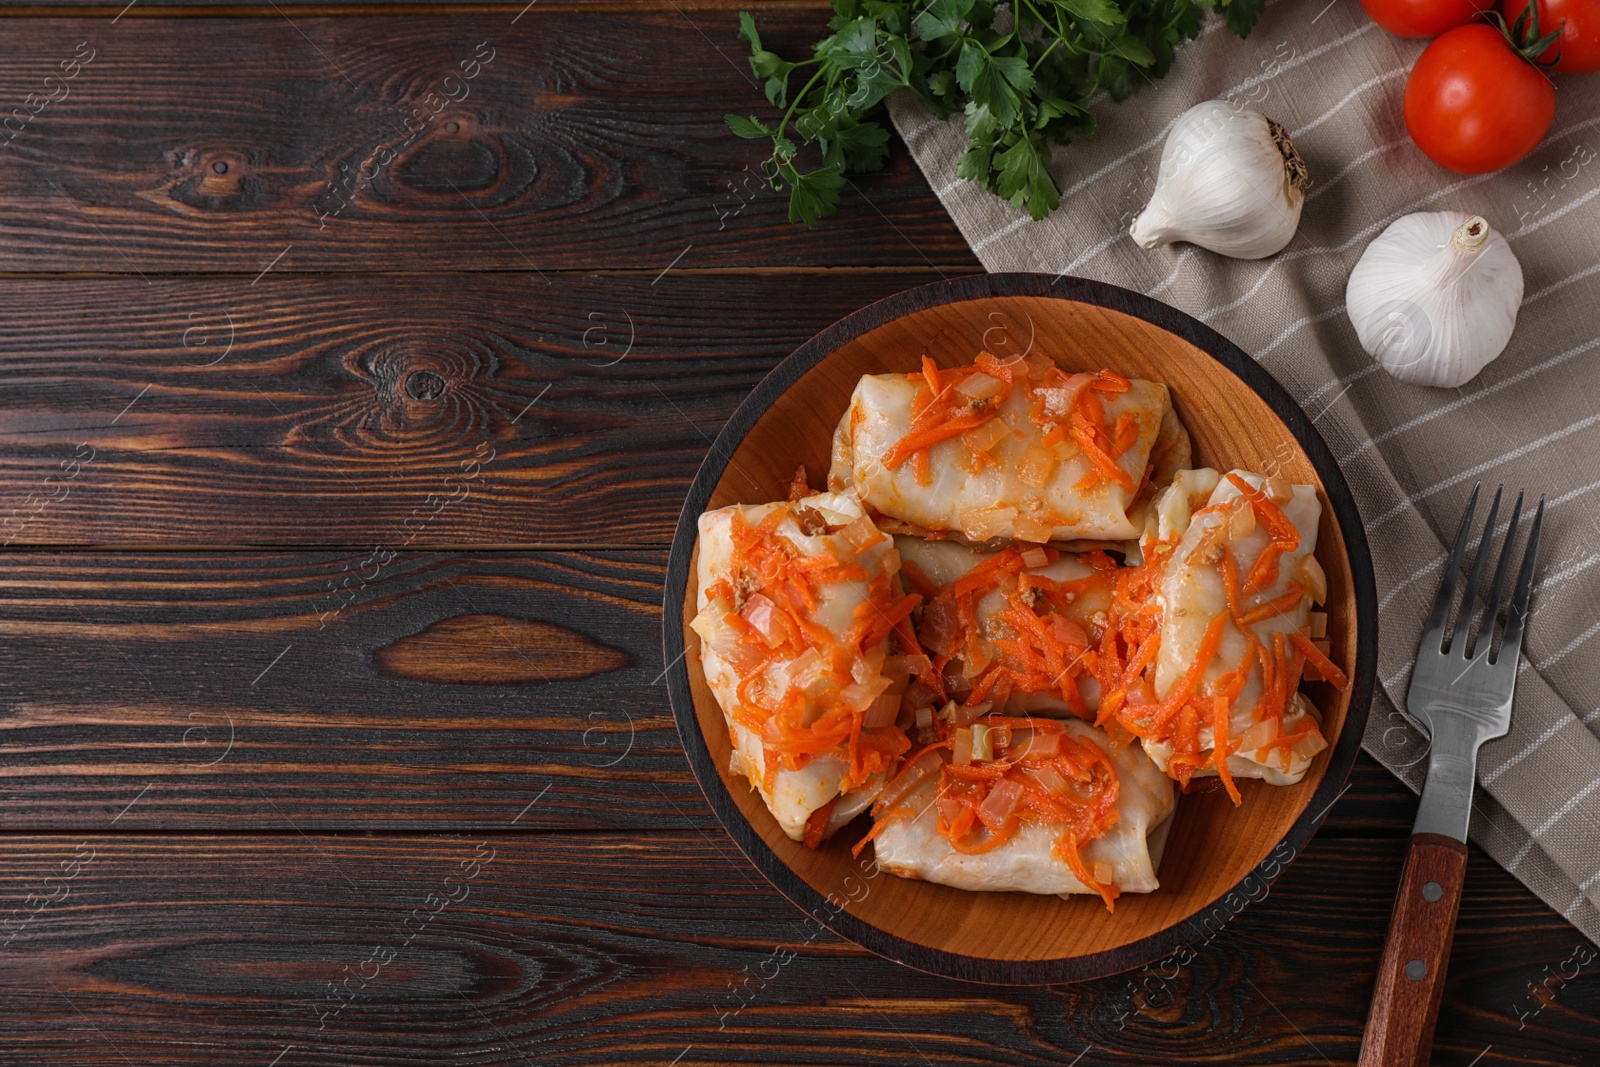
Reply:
x=798, y=97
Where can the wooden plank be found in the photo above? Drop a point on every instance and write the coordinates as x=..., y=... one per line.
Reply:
x=578, y=949
x=339, y=410
x=370, y=690
x=583, y=140
x=275, y=692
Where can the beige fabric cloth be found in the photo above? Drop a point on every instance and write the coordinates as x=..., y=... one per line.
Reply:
x=1411, y=454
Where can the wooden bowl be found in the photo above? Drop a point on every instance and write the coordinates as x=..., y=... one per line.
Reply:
x=1218, y=857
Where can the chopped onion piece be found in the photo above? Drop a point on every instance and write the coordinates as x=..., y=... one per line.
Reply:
x=1258, y=736
x=1103, y=872
x=1048, y=777
x=982, y=743
x=1062, y=400
x=962, y=746
x=900, y=668
x=882, y=713
x=1069, y=632
x=859, y=696
x=949, y=809
x=1001, y=802
x=1242, y=523
x=1279, y=489
x=911, y=775
x=1315, y=578
x=1035, y=467
x=940, y=632
x=861, y=533
x=1319, y=624
x=1039, y=365
x=920, y=695
x=923, y=717
x=980, y=524
x=758, y=611
x=985, y=437
x=1033, y=530
x=1033, y=557
x=963, y=716
x=805, y=668
x=721, y=636
x=1034, y=744
x=979, y=386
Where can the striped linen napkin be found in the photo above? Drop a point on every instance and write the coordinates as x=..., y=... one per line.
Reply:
x=1411, y=454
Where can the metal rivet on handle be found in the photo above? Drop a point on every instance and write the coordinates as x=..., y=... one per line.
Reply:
x=1432, y=892
x=1416, y=970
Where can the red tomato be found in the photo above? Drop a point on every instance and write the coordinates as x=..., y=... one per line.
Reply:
x=1425, y=18
x=1580, y=31
x=1473, y=104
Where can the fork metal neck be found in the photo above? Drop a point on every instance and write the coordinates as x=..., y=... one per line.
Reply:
x=1446, y=806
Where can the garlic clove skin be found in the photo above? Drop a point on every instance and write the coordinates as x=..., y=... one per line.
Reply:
x=1230, y=181
x=1434, y=297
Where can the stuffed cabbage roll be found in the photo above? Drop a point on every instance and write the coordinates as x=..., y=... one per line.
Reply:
x=1030, y=805
x=1015, y=449
x=1014, y=628
x=796, y=603
x=1230, y=561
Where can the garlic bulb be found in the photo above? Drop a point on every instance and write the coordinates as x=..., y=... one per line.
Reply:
x=1230, y=181
x=1434, y=297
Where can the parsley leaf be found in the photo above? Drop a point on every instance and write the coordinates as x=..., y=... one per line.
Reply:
x=748, y=128
x=1242, y=14
x=1021, y=92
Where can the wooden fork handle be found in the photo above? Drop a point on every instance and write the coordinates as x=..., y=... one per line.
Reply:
x=1405, y=1002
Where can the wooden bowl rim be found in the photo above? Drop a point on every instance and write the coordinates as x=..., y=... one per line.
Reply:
x=960, y=290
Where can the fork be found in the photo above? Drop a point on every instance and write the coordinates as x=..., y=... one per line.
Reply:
x=1461, y=692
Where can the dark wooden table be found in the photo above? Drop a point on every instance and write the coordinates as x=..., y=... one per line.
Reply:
x=353, y=365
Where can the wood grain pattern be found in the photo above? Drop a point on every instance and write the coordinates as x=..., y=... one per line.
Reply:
x=569, y=949
x=1237, y=417
x=497, y=650
x=125, y=670
x=350, y=411
x=287, y=691
x=585, y=140
x=1416, y=954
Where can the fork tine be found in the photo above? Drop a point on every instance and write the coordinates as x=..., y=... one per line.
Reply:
x=1469, y=599
x=1491, y=610
x=1447, y=585
x=1519, y=603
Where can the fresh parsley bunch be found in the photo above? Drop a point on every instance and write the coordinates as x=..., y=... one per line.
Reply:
x=1022, y=72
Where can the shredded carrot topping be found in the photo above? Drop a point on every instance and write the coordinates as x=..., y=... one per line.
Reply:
x=950, y=404
x=817, y=824
x=1326, y=667
x=775, y=589
x=1193, y=704
x=1069, y=785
